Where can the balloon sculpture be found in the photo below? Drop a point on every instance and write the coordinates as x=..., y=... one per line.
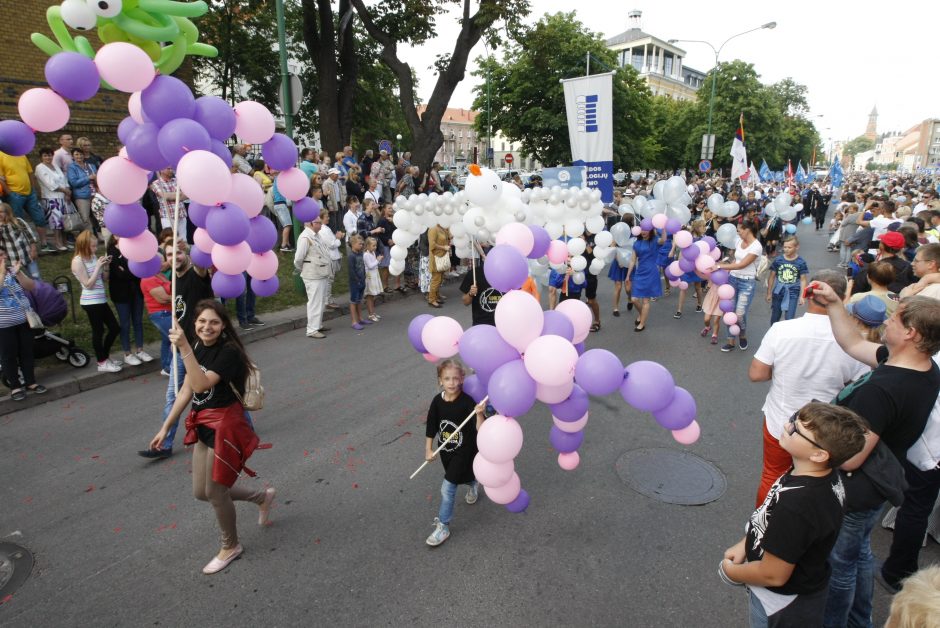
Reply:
x=532, y=355
x=168, y=126
x=161, y=28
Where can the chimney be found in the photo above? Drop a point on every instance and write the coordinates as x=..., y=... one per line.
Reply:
x=634, y=18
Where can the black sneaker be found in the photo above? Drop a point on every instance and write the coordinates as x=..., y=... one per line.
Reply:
x=698, y=308
x=155, y=454
x=254, y=321
x=889, y=586
x=727, y=347
x=742, y=343
x=677, y=315
x=245, y=326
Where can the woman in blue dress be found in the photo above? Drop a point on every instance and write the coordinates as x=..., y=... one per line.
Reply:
x=643, y=275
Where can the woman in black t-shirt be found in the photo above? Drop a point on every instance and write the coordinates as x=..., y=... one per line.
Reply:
x=216, y=370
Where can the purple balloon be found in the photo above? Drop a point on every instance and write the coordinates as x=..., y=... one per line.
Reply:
x=691, y=253
x=198, y=213
x=673, y=226
x=679, y=413
x=669, y=276
x=414, y=332
x=720, y=277
x=484, y=350
x=474, y=385
x=142, y=147
x=178, y=137
x=125, y=221
x=580, y=347
x=542, y=242
x=146, y=269
x=222, y=152
x=648, y=386
x=216, y=116
x=505, y=268
x=557, y=324
x=227, y=224
x=124, y=129
x=228, y=286
x=598, y=372
x=167, y=98
x=279, y=152
x=306, y=209
x=686, y=265
x=646, y=224
x=200, y=258
x=72, y=75
x=511, y=389
x=265, y=287
x=572, y=408
x=712, y=242
x=726, y=305
x=16, y=138
x=520, y=503
x=262, y=234
x=565, y=442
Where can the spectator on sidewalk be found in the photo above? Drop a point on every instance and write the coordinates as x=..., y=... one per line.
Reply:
x=124, y=288
x=18, y=185
x=156, y=291
x=55, y=196
x=18, y=241
x=16, y=336
x=313, y=262
x=92, y=273
x=83, y=181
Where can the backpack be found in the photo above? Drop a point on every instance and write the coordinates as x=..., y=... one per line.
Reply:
x=253, y=399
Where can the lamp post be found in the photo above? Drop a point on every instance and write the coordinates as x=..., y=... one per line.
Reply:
x=285, y=75
x=398, y=150
x=717, y=51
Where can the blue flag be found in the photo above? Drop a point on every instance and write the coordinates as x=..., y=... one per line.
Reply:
x=836, y=173
x=779, y=176
x=801, y=174
x=765, y=173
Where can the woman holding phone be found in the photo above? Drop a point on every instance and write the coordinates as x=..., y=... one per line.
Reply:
x=92, y=273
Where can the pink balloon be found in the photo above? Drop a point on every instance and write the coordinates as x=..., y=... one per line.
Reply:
x=204, y=177
x=636, y=230
x=569, y=461
x=557, y=252
x=293, y=184
x=123, y=182
x=674, y=269
x=553, y=394
x=505, y=493
x=518, y=236
x=734, y=330
x=550, y=360
x=715, y=253
x=125, y=67
x=499, y=439
x=659, y=221
x=247, y=194
x=572, y=426
x=580, y=316
x=689, y=434
x=703, y=246
x=704, y=263
x=682, y=239
x=140, y=248
x=730, y=318
x=253, y=122
x=519, y=318
x=430, y=358
x=490, y=473
x=135, y=108
x=726, y=291
x=203, y=240
x=232, y=260
x=263, y=265
x=674, y=283
x=123, y=155
x=683, y=285
x=441, y=336
x=43, y=110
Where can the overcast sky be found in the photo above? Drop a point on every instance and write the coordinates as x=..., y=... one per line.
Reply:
x=850, y=55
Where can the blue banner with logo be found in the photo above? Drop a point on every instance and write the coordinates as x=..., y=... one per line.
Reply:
x=571, y=177
x=836, y=173
x=589, y=105
x=765, y=173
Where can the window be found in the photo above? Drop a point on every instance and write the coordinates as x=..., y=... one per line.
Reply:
x=667, y=67
x=461, y=133
x=504, y=147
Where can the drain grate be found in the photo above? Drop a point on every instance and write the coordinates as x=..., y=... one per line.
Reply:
x=16, y=563
x=674, y=477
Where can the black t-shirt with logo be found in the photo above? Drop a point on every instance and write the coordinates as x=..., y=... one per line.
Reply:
x=222, y=359
x=190, y=290
x=483, y=306
x=798, y=522
x=443, y=418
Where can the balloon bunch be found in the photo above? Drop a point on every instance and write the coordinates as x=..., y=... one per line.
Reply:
x=780, y=208
x=530, y=355
x=169, y=127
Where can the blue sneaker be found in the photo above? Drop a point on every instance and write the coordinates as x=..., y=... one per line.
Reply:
x=441, y=533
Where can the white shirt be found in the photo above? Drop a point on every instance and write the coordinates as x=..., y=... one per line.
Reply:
x=51, y=180
x=62, y=159
x=807, y=364
x=925, y=453
x=350, y=220
x=740, y=252
x=880, y=225
x=331, y=241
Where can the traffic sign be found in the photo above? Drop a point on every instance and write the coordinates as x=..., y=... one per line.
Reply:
x=386, y=146
x=508, y=158
x=704, y=165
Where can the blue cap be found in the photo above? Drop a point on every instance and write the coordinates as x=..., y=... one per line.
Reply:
x=870, y=310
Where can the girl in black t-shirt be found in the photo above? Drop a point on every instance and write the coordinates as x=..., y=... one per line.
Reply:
x=216, y=369
x=448, y=410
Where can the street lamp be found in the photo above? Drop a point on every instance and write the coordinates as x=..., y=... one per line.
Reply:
x=711, y=102
x=398, y=146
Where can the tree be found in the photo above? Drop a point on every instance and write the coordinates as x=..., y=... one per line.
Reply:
x=859, y=145
x=527, y=101
x=671, y=122
x=791, y=97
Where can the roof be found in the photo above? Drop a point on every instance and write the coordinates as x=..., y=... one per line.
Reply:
x=633, y=34
x=453, y=115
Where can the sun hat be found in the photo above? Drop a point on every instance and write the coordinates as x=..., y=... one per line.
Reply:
x=870, y=310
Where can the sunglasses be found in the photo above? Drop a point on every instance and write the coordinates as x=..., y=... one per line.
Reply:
x=793, y=427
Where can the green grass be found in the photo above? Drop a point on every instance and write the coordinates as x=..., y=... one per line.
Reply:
x=57, y=266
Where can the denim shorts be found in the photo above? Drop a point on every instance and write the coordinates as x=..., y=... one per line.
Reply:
x=283, y=215
x=30, y=203
x=355, y=293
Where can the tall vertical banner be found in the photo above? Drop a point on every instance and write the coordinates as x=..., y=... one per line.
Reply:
x=589, y=103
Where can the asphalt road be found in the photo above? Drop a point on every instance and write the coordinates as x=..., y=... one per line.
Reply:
x=120, y=541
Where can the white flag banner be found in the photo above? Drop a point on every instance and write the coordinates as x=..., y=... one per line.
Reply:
x=738, y=153
x=589, y=103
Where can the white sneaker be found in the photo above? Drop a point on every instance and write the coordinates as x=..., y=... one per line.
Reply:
x=441, y=533
x=164, y=372
x=108, y=367
x=132, y=360
x=143, y=356
x=472, y=495
x=116, y=362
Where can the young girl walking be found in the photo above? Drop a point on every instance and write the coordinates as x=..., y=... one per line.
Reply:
x=448, y=410
x=357, y=282
x=373, y=280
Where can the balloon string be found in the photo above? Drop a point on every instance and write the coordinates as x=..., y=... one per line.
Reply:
x=176, y=209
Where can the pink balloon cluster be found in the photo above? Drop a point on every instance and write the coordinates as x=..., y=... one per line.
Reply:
x=701, y=256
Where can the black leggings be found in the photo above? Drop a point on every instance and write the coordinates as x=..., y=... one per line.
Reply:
x=16, y=352
x=101, y=316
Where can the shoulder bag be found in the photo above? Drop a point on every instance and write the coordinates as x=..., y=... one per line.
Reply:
x=253, y=399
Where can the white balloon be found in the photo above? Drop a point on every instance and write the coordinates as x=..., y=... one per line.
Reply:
x=573, y=228
x=620, y=233
x=594, y=224
x=483, y=189
x=727, y=234
x=656, y=206
x=576, y=246
x=402, y=219
x=554, y=229
x=639, y=204
x=596, y=267
x=659, y=189
x=458, y=229
x=603, y=239
x=398, y=252
x=578, y=278
x=404, y=238
x=578, y=263
x=624, y=256
x=680, y=213
x=715, y=202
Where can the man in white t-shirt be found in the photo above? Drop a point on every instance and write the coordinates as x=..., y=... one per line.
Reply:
x=803, y=362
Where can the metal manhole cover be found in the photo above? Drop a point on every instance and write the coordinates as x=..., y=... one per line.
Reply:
x=16, y=563
x=674, y=477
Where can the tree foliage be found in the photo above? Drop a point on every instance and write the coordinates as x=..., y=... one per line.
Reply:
x=858, y=145
x=671, y=123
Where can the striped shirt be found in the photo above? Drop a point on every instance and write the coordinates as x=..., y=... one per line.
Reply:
x=96, y=293
x=12, y=298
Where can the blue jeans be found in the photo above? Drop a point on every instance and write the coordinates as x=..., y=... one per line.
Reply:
x=852, y=582
x=245, y=304
x=29, y=202
x=805, y=610
x=163, y=321
x=32, y=269
x=777, y=301
x=131, y=313
x=171, y=399
x=448, y=494
x=743, y=295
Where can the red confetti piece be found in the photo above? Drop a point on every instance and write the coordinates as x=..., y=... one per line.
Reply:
x=172, y=506
x=316, y=541
x=28, y=500
x=306, y=453
x=90, y=488
x=355, y=485
x=349, y=448
x=95, y=457
x=117, y=530
x=9, y=598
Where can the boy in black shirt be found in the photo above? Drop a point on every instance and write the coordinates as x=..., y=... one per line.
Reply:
x=480, y=295
x=783, y=555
